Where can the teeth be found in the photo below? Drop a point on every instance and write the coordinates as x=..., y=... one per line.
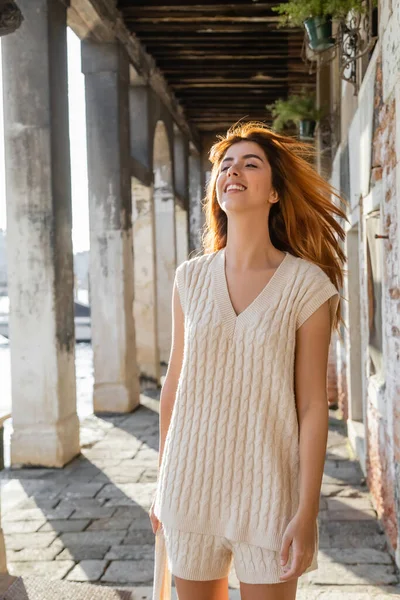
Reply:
x=235, y=187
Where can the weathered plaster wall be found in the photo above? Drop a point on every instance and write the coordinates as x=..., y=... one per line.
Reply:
x=383, y=410
x=371, y=401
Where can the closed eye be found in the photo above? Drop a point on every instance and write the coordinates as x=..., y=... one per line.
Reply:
x=248, y=165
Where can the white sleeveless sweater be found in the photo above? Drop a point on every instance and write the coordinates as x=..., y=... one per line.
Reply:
x=230, y=465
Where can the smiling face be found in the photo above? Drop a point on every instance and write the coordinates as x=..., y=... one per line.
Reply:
x=244, y=179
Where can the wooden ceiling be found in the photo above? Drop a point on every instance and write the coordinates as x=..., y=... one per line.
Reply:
x=224, y=61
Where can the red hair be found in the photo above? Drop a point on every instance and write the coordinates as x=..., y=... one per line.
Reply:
x=302, y=222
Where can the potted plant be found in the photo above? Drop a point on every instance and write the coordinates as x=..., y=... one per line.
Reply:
x=299, y=109
x=316, y=17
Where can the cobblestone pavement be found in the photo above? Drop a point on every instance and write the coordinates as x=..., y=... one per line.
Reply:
x=89, y=521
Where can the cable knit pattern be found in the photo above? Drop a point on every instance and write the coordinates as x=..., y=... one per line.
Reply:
x=231, y=457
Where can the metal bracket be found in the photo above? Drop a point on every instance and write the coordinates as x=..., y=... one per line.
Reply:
x=352, y=41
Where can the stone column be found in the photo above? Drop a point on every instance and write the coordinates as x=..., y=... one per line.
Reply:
x=39, y=243
x=145, y=312
x=165, y=235
x=106, y=69
x=195, y=196
x=182, y=237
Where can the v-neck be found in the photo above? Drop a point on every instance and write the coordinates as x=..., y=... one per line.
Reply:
x=233, y=320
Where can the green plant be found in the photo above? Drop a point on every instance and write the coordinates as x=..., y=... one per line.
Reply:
x=339, y=9
x=295, y=12
x=295, y=108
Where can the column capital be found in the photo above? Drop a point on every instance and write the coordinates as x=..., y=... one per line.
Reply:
x=104, y=56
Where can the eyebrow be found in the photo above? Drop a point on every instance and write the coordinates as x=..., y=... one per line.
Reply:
x=244, y=156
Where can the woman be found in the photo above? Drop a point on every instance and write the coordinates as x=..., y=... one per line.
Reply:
x=243, y=410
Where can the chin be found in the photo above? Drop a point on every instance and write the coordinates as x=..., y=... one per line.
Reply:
x=237, y=207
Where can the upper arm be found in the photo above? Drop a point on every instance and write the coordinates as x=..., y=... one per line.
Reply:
x=314, y=323
x=311, y=358
x=178, y=336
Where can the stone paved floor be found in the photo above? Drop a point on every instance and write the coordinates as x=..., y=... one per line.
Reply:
x=88, y=522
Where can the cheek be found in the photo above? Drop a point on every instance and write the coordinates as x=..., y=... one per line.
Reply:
x=219, y=187
x=261, y=184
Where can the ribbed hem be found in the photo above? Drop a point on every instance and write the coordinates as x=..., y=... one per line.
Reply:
x=193, y=573
x=270, y=538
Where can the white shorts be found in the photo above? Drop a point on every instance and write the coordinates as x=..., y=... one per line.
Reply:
x=204, y=557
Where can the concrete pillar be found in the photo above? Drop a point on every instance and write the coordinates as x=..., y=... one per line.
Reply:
x=182, y=238
x=196, y=217
x=40, y=261
x=106, y=69
x=165, y=235
x=139, y=121
x=181, y=164
x=145, y=310
x=165, y=228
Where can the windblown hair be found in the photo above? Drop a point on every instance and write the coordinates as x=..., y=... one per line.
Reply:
x=302, y=222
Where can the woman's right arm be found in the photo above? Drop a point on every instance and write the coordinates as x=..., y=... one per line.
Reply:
x=170, y=385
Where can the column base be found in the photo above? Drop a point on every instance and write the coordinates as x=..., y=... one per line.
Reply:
x=46, y=445
x=114, y=398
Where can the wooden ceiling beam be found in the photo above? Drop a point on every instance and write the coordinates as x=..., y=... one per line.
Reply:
x=223, y=113
x=218, y=127
x=193, y=58
x=209, y=87
x=223, y=102
x=240, y=47
x=201, y=27
x=202, y=20
x=224, y=36
x=232, y=117
x=193, y=114
x=242, y=106
x=200, y=39
x=222, y=10
x=224, y=62
x=264, y=73
x=177, y=81
x=206, y=5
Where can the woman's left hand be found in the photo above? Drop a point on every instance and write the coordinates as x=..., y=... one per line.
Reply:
x=300, y=532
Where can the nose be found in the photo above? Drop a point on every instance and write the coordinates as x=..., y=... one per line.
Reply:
x=232, y=169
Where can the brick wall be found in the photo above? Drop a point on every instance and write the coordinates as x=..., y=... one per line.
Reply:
x=383, y=404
